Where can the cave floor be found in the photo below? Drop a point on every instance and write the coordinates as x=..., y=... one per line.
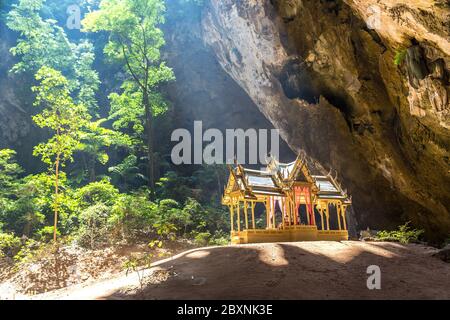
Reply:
x=299, y=270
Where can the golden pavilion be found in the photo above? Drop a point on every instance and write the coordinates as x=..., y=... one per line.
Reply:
x=294, y=201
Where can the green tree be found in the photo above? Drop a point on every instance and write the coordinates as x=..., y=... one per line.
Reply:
x=9, y=182
x=41, y=42
x=135, y=40
x=64, y=119
x=96, y=141
x=9, y=172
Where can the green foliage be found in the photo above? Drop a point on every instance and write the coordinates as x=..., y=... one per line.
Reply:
x=202, y=238
x=96, y=192
x=208, y=177
x=171, y=217
x=93, y=230
x=64, y=118
x=399, y=57
x=404, y=234
x=27, y=251
x=131, y=216
x=79, y=143
x=19, y=201
x=127, y=173
x=9, y=172
x=126, y=110
x=219, y=238
x=135, y=40
x=206, y=218
x=60, y=114
x=43, y=43
x=95, y=141
x=9, y=183
x=33, y=207
x=46, y=233
x=9, y=245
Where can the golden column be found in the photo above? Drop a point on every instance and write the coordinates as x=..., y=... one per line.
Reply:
x=295, y=209
x=239, y=216
x=307, y=213
x=343, y=212
x=274, y=223
x=338, y=212
x=253, y=215
x=231, y=216
x=321, y=215
x=290, y=211
x=246, y=214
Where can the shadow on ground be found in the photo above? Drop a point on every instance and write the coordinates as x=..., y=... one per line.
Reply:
x=307, y=270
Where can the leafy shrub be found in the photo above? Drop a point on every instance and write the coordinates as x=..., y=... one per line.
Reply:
x=404, y=234
x=28, y=251
x=127, y=173
x=132, y=215
x=33, y=207
x=9, y=245
x=165, y=230
x=93, y=230
x=97, y=192
x=169, y=213
x=173, y=186
x=206, y=218
x=220, y=238
x=202, y=238
x=46, y=233
x=9, y=171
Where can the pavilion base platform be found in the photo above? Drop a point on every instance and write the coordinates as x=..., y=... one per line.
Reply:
x=288, y=234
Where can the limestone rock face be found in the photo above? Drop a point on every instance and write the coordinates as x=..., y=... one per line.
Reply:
x=323, y=72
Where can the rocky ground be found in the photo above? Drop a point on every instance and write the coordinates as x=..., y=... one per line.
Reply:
x=304, y=270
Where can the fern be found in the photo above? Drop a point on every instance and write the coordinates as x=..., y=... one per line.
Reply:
x=404, y=234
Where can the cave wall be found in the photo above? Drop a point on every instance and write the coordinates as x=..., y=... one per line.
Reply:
x=329, y=83
x=203, y=91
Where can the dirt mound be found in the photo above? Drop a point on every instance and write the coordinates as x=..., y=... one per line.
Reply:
x=61, y=267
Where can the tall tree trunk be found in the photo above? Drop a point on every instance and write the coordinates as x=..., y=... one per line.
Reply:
x=149, y=131
x=56, y=197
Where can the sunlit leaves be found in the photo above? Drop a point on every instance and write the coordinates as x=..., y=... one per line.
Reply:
x=60, y=114
x=135, y=38
x=9, y=171
x=135, y=41
x=42, y=42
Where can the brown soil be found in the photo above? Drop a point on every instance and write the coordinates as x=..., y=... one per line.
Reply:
x=304, y=270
